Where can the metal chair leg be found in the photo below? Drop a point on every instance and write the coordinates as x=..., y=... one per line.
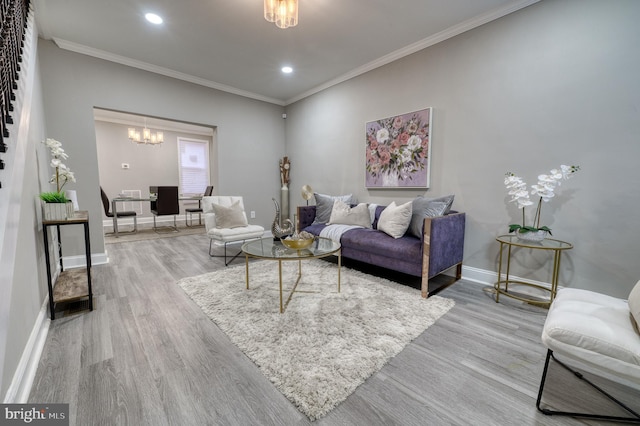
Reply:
x=546, y=411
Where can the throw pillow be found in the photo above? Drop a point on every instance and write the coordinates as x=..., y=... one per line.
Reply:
x=634, y=305
x=324, y=205
x=345, y=215
x=394, y=220
x=428, y=207
x=229, y=217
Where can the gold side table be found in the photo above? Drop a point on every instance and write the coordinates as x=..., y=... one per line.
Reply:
x=549, y=244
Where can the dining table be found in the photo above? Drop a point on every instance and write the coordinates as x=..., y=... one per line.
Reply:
x=150, y=198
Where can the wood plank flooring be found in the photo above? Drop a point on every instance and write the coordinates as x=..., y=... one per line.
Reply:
x=147, y=355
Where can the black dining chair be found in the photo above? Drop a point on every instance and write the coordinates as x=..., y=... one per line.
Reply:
x=107, y=211
x=166, y=203
x=188, y=213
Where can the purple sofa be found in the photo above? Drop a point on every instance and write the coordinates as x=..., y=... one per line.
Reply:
x=439, y=249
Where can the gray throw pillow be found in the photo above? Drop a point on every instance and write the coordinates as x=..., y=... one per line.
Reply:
x=230, y=217
x=324, y=205
x=427, y=207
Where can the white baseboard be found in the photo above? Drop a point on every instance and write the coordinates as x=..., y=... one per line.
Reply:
x=484, y=277
x=20, y=387
x=80, y=261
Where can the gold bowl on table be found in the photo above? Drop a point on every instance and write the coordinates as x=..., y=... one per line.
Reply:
x=297, y=244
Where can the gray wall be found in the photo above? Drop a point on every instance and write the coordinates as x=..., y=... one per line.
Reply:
x=22, y=275
x=555, y=83
x=250, y=133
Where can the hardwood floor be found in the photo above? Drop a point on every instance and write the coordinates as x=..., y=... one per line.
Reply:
x=147, y=355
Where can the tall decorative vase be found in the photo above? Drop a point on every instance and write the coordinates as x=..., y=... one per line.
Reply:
x=284, y=204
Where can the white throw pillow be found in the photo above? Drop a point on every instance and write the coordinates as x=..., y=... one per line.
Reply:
x=394, y=220
x=634, y=305
x=230, y=217
x=345, y=215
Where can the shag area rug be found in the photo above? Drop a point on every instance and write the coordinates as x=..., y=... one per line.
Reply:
x=326, y=343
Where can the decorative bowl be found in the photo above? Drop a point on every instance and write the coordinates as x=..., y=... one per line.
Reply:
x=297, y=244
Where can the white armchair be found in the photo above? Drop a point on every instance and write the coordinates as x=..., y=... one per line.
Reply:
x=226, y=223
x=596, y=333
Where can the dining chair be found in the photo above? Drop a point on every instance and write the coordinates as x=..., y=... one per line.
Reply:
x=106, y=203
x=188, y=213
x=166, y=203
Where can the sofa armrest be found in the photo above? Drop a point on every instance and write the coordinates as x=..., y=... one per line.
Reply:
x=443, y=245
x=306, y=216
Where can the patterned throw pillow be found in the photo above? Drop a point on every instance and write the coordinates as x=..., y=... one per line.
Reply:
x=345, y=215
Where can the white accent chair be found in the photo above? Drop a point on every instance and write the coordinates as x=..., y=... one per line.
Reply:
x=598, y=334
x=224, y=236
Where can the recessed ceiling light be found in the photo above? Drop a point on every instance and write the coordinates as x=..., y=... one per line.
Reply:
x=287, y=70
x=153, y=18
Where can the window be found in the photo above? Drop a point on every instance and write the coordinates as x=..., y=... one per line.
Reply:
x=194, y=165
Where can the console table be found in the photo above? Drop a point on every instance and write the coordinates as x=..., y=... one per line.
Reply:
x=70, y=285
x=548, y=244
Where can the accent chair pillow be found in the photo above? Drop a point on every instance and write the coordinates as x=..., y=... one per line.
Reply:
x=229, y=217
x=427, y=207
x=394, y=220
x=634, y=305
x=324, y=205
x=345, y=215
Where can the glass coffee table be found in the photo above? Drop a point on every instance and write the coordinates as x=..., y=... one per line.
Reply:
x=267, y=248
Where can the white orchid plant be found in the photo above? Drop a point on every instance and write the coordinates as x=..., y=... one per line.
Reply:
x=62, y=173
x=545, y=189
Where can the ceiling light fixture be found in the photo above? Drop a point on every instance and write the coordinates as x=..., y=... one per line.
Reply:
x=147, y=138
x=287, y=70
x=153, y=18
x=283, y=12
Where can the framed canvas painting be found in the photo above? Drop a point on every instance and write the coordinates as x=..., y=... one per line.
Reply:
x=398, y=151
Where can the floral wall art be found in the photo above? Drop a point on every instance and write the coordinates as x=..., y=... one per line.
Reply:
x=398, y=151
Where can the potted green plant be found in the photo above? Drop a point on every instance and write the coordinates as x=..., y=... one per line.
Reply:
x=55, y=205
x=545, y=190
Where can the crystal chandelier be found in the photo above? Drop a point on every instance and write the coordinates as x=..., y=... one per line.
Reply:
x=283, y=12
x=147, y=137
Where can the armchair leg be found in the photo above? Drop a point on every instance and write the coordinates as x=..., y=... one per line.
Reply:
x=226, y=262
x=546, y=411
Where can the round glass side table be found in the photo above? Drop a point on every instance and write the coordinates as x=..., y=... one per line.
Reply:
x=549, y=244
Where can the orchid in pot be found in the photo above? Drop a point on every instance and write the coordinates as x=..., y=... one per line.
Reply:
x=60, y=178
x=62, y=173
x=545, y=190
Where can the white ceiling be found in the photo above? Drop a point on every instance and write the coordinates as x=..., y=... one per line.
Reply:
x=230, y=46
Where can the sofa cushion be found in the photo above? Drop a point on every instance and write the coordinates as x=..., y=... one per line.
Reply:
x=427, y=207
x=634, y=305
x=345, y=215
x=324, y=205
x=229, y=217
x=406, y=248
x=394, y=220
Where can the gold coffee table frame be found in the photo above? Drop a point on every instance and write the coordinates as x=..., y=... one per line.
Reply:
x=510, y=241
x=267, y=248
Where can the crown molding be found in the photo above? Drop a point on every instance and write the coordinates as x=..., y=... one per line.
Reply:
x=123, y=60
x=384, y=60
x=419, y=45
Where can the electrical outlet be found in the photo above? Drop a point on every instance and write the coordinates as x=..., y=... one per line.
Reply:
x=125, y=166
x=253, y=214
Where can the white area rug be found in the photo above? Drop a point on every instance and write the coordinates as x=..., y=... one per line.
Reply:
x=325, y=344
